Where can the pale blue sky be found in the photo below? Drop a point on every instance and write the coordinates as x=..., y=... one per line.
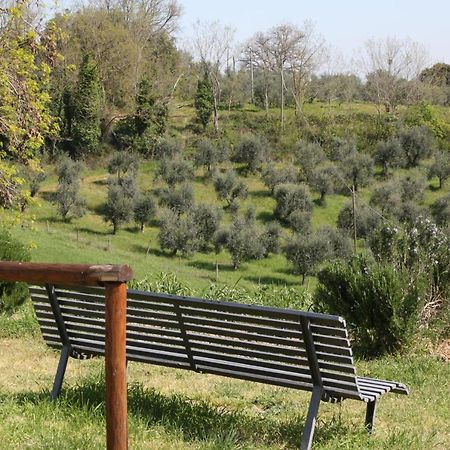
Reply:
x=345, y=24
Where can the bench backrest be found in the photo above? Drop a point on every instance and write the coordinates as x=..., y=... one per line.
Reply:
x=270, y=345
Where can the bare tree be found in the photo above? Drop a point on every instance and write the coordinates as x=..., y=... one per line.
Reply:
x=287, y=49
x=212, y=43
x=392, y=65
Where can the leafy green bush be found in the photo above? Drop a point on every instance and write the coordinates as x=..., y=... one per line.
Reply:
x=380, y=303
x=12, y=294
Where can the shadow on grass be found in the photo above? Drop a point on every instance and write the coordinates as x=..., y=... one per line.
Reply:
x=143, y=249
x=199, y=420
x=265, y=216
x=271, y=280
x=94, y=232
x=262, y=193
x=204, y=265
x=48, y=196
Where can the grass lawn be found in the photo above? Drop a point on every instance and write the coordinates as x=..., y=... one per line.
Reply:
x=175, y=409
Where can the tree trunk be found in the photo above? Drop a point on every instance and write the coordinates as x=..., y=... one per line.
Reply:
x=216, y=115
x=282, y=97
x=142, y=227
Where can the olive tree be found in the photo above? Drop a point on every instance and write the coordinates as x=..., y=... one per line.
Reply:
x=70, y=204
x=229, y=187
x=144, y=210
x=440, y=168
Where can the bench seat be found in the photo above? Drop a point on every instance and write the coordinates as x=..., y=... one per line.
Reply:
x=283, y=347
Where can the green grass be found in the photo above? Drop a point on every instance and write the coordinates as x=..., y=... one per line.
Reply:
x=175, y=409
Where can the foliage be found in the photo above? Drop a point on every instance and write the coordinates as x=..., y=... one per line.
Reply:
x=323, y=180
x=24, y=100
x=441, y=210
x=144, y=209
x=68, y=199
x=35, y=182
x=416, y=144
x=388, y=154
x=273, y=176
x=179, y=199
x=122, y=163
x=167, y=149
x=209, y=153
x=309, y=156
x=204, y=100
x=440, y=168
x=229, y=187
x=206, y=219
x=291, y=197
x=251, y=151
x=178, y=233
x=87, y=108
x=119, y=205
x=305, y=252
x=12, y=294
x=357, y=169
x=379, y=302
x=366, y=220
x=175, y=171
x=243, y=243
x=421, y=249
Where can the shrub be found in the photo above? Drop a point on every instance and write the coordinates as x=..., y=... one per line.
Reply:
x=119, y=205
x=440, y=168
x=357, y=169
x=122, y=163
x=323, y=180
x=228, y=187
x=441, y=210
x=175, y=171
x=68, y=199
x=250, y=151
x=380, y=304
x=388, y=154
x=305, y=253
x=207, y=220
x=272, y=176
x=179, y=199
x=12, y=294
x=210, y=153
x=167, y=149
x=309, y=156
x=144, y=210
x=416, y=143
x=35, y=182
x=366, y=220
x=178, y=233
x=292, y=197
x=300, y=221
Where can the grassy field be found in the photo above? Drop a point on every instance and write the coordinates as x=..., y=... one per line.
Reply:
x=174, y=409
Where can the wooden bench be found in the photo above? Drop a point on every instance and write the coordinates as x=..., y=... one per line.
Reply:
x=283, y=347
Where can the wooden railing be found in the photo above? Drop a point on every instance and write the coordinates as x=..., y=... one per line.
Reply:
x=114, y=278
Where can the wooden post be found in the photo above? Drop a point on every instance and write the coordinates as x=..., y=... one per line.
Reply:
x=115, y=366
x=114, y=279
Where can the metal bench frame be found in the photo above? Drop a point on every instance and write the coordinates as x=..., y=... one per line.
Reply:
x=283, y=347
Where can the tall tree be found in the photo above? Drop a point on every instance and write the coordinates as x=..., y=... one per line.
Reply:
x=391, y=66
x=212, y=43
x=27, y=56
x=87, y=108
x=204, y=100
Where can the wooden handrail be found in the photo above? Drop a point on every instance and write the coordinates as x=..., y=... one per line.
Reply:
x=69, y=274
x=113, y=277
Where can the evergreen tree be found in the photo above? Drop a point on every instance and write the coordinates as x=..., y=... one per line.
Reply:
x=204, y=101
x=151, y=114
x=87, y=107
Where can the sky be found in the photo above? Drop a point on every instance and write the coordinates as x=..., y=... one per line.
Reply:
x=345, y=24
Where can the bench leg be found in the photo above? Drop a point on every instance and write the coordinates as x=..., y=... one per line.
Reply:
x=59, y=377
x=370, y=415
x=310, y=424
